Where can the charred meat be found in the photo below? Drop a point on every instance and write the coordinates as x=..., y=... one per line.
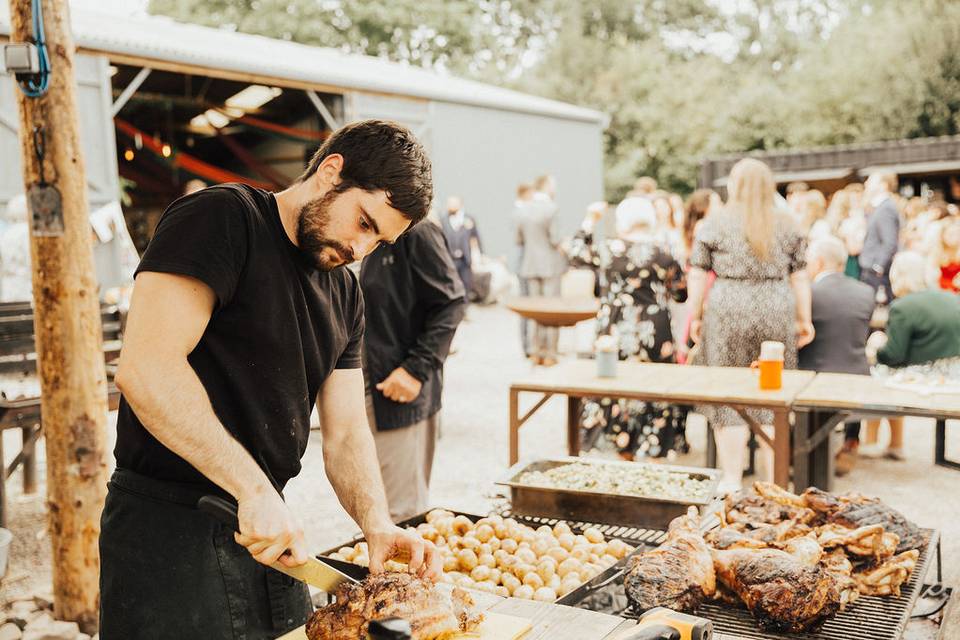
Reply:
x=678, y=574
x=432, y=614
x=785, y=590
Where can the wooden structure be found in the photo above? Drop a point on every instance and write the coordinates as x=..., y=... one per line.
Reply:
x=732, y=387
x=20, y=387
x=833, y=398
x=66, y=319
x=934, y=162
x=820, y=402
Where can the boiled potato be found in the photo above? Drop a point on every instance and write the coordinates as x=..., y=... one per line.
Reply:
x=437, y=514
x=527, y=556
x=555, y=583
x=558, y=553
x=510, y=581
x=524, y=592
x=580, y=553
x=593, y=535
x=495, y=575
x=545, y=530
x=361, y=559
x=568, y=585
x=566, y=540
x=570, y=565
x=461, y=525
x=546, y=570
x=502, y=591
x=484, y=548
x=561, y=528
x=599, y=548
x=361, y=548
x=533, y=579
x=540, y=547
x=484, y=532
x=494, y=543
x=487, y=559
x=608, y=560
x=480, y=573
x=347, y=552
x=468, y=559
x=545, y=594
x=521, y=570
x=469, y=542
x=509, y=545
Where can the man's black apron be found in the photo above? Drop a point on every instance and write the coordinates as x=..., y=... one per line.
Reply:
x=169, y=571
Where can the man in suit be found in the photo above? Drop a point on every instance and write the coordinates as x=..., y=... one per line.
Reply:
x=542, y=263
x=883, y=231
x=460, y=232
x=842, y=308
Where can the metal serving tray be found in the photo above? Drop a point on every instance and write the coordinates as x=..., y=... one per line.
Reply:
x=640, y=539
x=597, y=506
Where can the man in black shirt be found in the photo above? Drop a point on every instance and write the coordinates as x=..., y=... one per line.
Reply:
x=241, y=318
x=420, y=303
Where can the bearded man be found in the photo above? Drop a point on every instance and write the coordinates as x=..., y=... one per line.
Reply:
x=242, y=317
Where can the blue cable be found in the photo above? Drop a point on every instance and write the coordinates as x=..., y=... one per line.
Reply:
x=36, y=87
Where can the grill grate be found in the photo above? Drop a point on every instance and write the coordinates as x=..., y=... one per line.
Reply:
x=869, y=618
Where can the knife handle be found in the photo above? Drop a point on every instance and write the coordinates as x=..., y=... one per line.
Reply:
x=223, y=510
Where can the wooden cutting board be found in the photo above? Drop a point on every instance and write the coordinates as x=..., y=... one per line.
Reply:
x=495, y=626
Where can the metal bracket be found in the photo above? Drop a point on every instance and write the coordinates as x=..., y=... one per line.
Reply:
x=322, y=110
x=822, y=433
x=129, y=90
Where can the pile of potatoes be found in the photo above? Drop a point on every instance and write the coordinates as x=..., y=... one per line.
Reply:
x=502, y=556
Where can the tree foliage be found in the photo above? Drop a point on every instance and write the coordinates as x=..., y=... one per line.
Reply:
x=680, y=79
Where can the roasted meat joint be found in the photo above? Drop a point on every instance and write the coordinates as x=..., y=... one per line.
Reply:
x=432, y=614
x=793, y=561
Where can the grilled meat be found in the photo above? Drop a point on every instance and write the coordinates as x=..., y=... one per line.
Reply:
x=839, y=566
x=743, y=536
x=886, y=577
x=431, y=613
x=678, y=574
x=854, y=511
x=750, y=509
x=870, y=541
x=851, y=510
x=787, y=590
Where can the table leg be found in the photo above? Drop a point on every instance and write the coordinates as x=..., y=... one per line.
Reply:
x=573, y=425
x=3, y=484
x=801, y=459
x=29, y=440
x=821, y=458
x=514, y=426
x=711, y=447
x=781, y=448
x=940, y=451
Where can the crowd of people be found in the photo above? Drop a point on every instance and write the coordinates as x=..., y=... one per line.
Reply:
x=845, y=280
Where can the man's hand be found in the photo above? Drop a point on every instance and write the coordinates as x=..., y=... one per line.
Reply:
x=268, y=529
x=400, y=386
x=394, y=543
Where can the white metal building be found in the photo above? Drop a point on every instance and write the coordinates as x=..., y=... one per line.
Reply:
x=483, y=140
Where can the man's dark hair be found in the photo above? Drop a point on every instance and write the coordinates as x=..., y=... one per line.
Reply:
x=379, y=154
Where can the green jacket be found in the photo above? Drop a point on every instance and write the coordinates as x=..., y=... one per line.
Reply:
x=922, y=327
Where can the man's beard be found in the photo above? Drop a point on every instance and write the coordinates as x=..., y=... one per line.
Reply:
x=312, y=239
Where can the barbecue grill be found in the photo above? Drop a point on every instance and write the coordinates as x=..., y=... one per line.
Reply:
x=869, y=618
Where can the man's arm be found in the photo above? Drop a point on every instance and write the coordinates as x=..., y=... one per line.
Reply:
x=350, y=459
x=168, y=315
x=440, y=293
x=888, y=233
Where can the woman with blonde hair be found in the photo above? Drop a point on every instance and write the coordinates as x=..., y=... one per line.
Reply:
x=761, y=293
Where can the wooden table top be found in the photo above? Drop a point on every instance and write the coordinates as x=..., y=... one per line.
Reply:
x=872, y=395
x=554, y=311
x=669, y=382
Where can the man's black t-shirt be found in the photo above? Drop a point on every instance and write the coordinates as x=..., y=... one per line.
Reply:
x=279, y=328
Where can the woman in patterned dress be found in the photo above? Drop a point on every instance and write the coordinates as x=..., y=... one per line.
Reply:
x=761, y=293
x=636, y=285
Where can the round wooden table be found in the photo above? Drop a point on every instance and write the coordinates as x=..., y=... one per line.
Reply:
x=554, y=311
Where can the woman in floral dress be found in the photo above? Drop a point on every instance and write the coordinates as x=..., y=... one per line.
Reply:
x=636, y=285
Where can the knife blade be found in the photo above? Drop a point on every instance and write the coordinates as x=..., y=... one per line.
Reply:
x=314, y=572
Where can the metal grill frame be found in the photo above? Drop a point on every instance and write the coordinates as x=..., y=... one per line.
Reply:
x=869, y=618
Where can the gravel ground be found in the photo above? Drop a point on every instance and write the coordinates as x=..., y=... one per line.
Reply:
x=472, y=454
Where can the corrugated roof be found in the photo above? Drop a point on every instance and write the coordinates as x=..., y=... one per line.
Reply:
x=856, y=146
x=163, y=39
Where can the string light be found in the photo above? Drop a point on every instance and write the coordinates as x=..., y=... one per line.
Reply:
x=128, y=155
x=166, y=150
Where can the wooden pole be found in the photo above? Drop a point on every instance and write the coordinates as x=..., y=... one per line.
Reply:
x=67, y=323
